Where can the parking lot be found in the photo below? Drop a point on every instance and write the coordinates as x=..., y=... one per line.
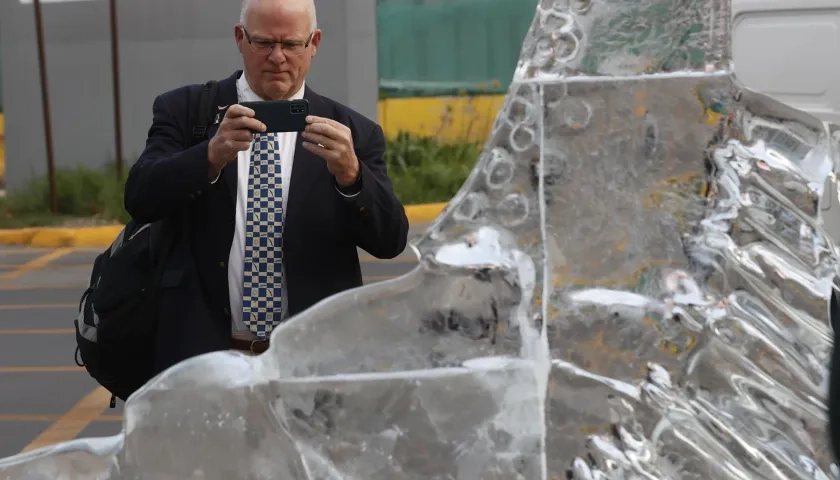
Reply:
x=45, y=397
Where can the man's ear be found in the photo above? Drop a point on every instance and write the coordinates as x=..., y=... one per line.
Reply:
x=239, y=37
x=316, y=41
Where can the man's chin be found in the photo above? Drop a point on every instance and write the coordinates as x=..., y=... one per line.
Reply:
x=277, y=88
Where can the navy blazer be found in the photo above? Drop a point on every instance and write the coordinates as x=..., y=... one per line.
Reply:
x=321, y=233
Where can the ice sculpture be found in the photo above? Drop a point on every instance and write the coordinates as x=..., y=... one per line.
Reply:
x=632, y=283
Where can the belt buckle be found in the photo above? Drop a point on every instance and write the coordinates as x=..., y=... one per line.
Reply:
x=251, y=348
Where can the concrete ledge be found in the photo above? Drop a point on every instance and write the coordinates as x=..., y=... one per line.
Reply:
x=52, y=237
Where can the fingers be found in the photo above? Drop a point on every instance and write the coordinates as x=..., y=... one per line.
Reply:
x=238, y=140
x=322, y=152
x=240, y=136
x=326, y=130
x=318, y=122
x=238, y=117
x=243, y=124
x=328, y=139
x=323, y=140
x=239, y=111
x=240, y=146
x=234, y=146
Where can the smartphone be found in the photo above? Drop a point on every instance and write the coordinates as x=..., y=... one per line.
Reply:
x=281, y=115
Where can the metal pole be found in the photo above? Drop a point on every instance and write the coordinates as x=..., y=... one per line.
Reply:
x=45, y=105
x=115, y=74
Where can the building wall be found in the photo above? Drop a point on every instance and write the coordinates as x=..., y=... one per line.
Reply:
x=159, y=50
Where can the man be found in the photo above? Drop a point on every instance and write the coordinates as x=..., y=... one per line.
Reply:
x=267, y=224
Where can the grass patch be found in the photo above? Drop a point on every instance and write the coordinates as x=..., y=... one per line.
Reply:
x=84, y=193
x=423, y=170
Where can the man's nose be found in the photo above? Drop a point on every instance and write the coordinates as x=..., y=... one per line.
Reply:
x=277, y=54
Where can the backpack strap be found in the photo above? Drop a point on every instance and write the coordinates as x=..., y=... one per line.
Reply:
x=206, y=99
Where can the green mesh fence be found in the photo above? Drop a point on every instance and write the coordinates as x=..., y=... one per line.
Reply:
x=1, y=84
x=434, y=48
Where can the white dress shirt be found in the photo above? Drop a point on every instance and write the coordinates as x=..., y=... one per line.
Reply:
x=236, y=266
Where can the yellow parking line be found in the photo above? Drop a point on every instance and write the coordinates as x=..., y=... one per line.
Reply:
x=69, y=425
x=4, y=266
x=46, y=286
x=23, y=251
x=29, y=418
x=37, y=331
x=81, y=286
x=48, y=369
x=53, y=418
x=35, y=264
x=31, y=250
x=35, y=306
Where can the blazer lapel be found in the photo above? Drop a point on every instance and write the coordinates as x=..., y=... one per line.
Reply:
x=227, y=96
x=306, y=164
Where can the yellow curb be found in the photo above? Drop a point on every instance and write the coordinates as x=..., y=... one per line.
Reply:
x=61, y=237
x=423, y=213
x=103, y=236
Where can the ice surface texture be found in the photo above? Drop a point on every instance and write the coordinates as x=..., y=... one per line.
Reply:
x=632, y=283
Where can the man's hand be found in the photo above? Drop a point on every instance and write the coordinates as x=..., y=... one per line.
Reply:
x=333, y=142
x=234, y=135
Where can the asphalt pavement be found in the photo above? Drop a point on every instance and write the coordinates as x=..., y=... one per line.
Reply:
x=44, y=397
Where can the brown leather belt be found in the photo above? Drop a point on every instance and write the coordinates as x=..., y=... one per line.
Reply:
x=253, y=346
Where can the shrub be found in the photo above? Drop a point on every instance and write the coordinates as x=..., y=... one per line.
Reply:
x=423, y=170
x=83, y=192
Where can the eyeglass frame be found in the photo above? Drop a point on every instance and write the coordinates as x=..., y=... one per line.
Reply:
x=283, y=43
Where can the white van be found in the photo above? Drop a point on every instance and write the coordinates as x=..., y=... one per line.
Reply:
x=790, y=51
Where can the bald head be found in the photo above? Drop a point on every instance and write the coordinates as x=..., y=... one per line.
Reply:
x=293, y=5
x=277, y=40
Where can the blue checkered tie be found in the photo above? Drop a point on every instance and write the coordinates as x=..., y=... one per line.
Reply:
x=261, y=302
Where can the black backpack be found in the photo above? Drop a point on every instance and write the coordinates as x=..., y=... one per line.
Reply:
x=117, y=322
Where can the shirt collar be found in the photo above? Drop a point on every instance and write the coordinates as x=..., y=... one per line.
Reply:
x=248, y=95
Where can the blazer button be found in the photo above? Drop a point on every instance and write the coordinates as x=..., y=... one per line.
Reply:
x=221, y=264
x=227, y=312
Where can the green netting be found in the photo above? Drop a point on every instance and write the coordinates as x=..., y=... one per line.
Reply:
x=1, y=84
x=432, y=48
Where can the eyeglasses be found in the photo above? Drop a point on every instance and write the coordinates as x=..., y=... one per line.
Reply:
x=289, y=47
